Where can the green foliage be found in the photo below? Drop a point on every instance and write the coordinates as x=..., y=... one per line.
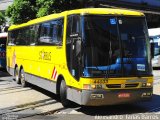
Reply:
x=2, y=19
x=21, y=11
x=44, y=7
x=47, y=7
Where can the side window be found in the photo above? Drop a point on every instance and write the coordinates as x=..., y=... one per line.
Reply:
x=18, y=37
x=69, y=30
x=76, y=24
x=44, y=37
x=59, y=31
x=22, y=37
x=26, y=36
x=33, y=34
x=51, y=33
x=73, y=25
x=11, y=38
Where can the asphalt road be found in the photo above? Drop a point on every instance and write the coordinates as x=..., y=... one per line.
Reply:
x=32, y=103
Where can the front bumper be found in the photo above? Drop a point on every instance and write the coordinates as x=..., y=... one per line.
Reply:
x=111, y=97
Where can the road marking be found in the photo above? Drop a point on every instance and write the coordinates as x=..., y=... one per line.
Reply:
x=15, y=91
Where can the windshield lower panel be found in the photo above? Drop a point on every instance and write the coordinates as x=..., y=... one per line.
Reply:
x=115, y=46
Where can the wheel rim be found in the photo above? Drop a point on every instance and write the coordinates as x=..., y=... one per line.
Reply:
x=22, y=79
x=16, y=76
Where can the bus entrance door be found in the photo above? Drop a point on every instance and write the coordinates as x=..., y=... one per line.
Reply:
x=75, y=57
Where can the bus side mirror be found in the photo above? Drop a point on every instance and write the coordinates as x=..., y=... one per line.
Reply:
x=152, y=50
x=77, y=42
x=78, y=46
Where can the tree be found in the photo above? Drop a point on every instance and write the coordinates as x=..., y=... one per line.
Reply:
x=24, y=10
x=2, y=19
x=46, y=7
x=21, y=11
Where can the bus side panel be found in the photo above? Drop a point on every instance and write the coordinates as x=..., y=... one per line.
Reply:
x=39, y=64
x=41, y=82
x=11, y=59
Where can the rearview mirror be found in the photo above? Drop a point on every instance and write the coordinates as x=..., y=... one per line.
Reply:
x=78, y=46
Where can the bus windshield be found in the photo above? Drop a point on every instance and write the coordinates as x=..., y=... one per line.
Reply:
x=116, y=46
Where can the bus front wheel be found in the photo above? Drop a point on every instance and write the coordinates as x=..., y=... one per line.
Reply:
x=22, y=78
x=63, y=94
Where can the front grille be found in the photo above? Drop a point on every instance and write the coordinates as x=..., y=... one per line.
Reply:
x=122, y=85
x=114, y=85
x=131, y=85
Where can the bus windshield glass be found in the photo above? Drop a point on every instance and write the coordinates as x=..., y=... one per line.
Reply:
x=116, y=46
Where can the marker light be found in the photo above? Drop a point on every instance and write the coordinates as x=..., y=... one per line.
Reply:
x=93, y=86
x=98, y=86
x=143, y=84
x=86, y=86
x=149, y=84
x=146, y=84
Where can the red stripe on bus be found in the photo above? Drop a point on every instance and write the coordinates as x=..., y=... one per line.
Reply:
x=53, y=73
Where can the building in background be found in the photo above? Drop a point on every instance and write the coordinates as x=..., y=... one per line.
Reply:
x=151, y=8
x=155, y=3
x=3, y=6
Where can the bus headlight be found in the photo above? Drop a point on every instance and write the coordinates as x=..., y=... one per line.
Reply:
x=98, y=86
x=148, y=84
x=93, y=86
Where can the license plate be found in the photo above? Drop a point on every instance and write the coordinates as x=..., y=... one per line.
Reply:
x=124, y=95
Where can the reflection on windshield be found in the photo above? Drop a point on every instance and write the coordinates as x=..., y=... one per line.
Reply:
x=117, y=45
x=99, y=40
x=132, y=33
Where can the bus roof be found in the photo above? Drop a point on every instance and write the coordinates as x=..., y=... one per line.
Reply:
x=3, y=35
x=105, y=11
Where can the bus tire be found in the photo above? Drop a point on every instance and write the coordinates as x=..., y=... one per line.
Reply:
x=22, y=78
x=16, y=75
x=63, y=94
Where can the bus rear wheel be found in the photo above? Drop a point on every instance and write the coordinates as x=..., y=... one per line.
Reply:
x=22, y=78
x=63, y=94
x=16, y=75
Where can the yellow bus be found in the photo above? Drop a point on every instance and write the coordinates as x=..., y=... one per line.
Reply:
x=91, y=56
